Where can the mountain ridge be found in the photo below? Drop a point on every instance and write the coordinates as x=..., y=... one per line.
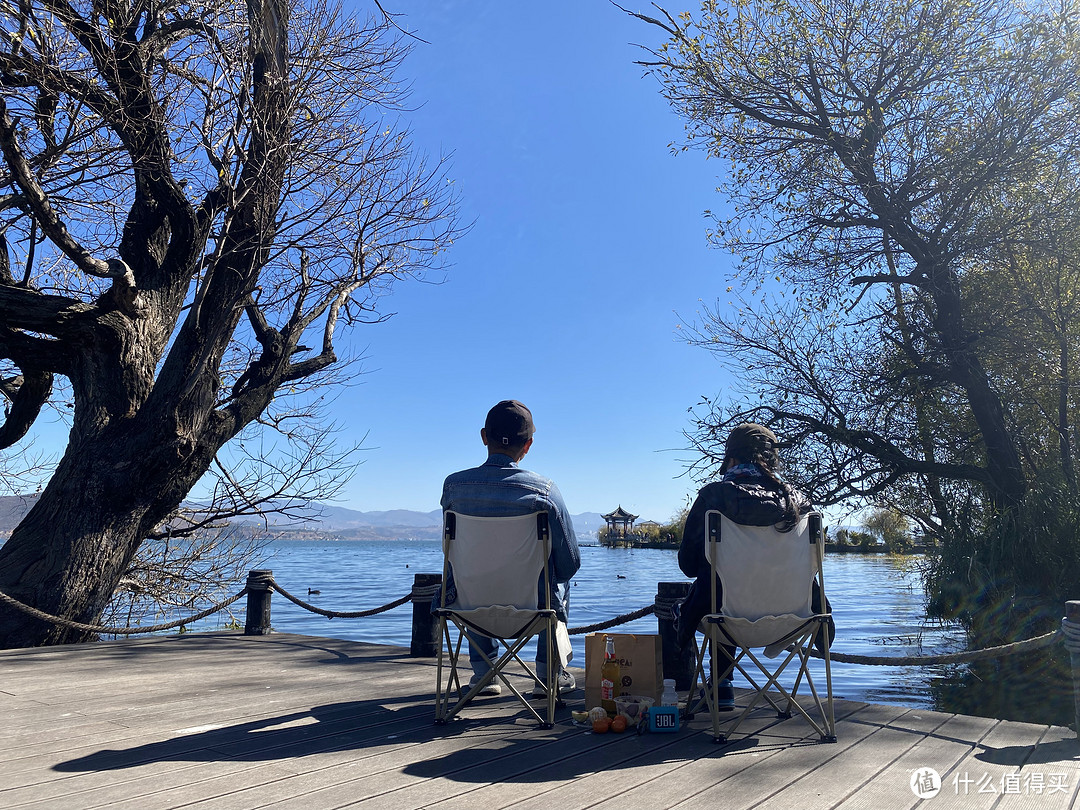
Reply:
x=322, y=518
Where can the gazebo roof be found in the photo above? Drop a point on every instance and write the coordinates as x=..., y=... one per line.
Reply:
x=619, y=514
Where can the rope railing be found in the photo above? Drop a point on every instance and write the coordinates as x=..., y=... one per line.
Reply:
x=1069, y=632
x=968, y=656
x=116, y=631
x=1027, y=645
x=421, y=595
x=623, y=619
x=341, y=614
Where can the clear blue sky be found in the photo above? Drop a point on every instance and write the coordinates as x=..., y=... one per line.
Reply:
x=587, y=251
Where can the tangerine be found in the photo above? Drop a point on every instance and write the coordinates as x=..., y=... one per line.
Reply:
x=618, y=725
x=601, y=726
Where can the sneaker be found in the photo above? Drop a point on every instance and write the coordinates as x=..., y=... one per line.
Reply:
x=725, y=694
x=493, y=688
x=566, y=681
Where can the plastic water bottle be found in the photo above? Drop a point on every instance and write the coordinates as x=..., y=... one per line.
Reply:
x=669, y=697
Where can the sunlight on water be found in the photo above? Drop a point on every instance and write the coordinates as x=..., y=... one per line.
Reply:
x=877, y=602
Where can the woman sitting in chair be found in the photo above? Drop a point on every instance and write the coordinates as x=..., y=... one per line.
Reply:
x=751, y=493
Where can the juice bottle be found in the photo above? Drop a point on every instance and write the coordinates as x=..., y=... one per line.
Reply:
x=610, y=679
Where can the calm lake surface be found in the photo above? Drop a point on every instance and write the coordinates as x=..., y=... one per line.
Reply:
x=877, y=603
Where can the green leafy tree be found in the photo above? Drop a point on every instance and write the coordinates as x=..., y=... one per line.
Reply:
x=673, y=529
x=889, y=527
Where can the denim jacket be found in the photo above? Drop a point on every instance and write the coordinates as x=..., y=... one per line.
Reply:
x=500, y=488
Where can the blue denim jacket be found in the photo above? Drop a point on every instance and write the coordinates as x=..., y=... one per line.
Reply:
x=500, y=488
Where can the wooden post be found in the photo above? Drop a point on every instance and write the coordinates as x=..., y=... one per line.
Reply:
x=678, y=662
x=258, y=603
x=1072, y=615
x=425, y=641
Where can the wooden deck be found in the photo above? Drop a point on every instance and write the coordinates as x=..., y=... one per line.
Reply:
x=284, y=721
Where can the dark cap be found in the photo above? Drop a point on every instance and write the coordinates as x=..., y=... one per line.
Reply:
x=509, y=424
x=748, y=441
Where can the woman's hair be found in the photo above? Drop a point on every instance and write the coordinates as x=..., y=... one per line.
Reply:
x=756, y=444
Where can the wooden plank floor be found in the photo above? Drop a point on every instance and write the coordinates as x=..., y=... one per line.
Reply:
x=285, y=721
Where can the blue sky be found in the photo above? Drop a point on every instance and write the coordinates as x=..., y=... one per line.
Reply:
x=587, y=250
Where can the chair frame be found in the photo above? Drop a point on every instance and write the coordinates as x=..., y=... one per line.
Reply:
x=794, y=644
x=534, y=621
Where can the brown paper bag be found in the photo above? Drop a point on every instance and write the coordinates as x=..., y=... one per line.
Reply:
x=641, y=665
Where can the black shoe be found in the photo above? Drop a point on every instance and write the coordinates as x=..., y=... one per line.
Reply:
x=725, y=694
x=566, y=681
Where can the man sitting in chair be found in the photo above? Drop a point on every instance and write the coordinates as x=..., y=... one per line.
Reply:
x=750, y=493
x=500, y=488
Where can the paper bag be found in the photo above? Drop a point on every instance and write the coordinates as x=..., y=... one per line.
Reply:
x=641, y=665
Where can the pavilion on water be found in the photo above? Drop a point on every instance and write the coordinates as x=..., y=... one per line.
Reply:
x=620, y=523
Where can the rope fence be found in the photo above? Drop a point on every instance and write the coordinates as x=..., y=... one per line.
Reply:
x=116, y=631
x=1068, y=633
x=1028, y=645
x=623, y=619
x=339, y=614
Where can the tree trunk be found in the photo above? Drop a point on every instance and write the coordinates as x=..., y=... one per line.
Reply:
x=1002, y=456
x=1064, y=387
x=68, y=553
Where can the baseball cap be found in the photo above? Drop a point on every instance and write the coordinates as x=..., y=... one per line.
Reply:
x=749, y=440
x=509, y=424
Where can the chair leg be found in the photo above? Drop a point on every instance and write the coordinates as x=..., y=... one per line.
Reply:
x=713, y=687
x=830, y=720
x=552, y=677
x=440, y=719
x=693, y=705
x=443, y=690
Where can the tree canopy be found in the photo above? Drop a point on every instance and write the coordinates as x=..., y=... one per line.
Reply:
x=195, y=199
x=901, y=198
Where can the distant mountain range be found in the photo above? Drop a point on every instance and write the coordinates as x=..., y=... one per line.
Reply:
x=12, y=509
x=324, y=519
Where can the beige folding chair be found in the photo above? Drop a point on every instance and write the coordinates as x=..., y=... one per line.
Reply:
x=766, y=579
x=496, y=564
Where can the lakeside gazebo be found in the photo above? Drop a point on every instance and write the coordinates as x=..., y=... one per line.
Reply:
x=620, y=522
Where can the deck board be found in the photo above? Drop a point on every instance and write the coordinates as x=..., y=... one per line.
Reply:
x=228, y=722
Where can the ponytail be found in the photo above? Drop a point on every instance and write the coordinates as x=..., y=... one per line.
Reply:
x=767, y=462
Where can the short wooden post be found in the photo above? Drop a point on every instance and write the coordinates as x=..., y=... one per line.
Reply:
x=258, y=603
x=678, y=661
x=1072, y=616
x=425, y=640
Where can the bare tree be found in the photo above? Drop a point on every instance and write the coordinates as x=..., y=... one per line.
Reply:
x=196, y=199
x=872, y=144
x=902, y=195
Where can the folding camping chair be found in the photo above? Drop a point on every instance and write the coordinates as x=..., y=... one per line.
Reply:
x=766, y=578
x=496, y=564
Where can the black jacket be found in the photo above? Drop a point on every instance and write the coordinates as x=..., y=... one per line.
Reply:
x=749, y=500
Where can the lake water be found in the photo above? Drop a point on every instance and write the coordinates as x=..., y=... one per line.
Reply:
x=877, y=603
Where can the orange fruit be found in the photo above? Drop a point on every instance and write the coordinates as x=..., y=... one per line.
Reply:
x=601, y=726
x=618, y=725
